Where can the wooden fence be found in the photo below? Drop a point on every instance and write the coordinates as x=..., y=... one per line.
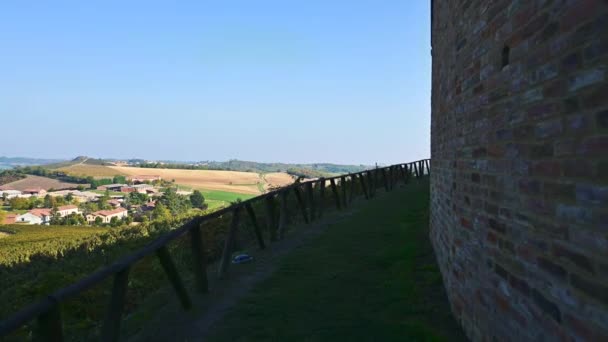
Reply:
x=47, y=311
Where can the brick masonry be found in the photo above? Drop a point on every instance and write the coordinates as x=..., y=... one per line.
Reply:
x=519, y=181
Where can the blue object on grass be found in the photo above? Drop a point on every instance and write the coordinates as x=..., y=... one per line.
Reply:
x=242, y=258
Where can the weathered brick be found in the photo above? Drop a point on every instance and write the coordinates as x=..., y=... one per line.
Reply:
x=549, y=168
x=592, y=195
x=596, y=97
x=577, y=168
x=562, y=191
x=547, y=306
x=521, y=239
x=529, y=186
x=571, y=62
x=584, y=330
x=586, y=78
x=577, y=258
x=549, y=128
x=590, y=288
x=602, y=119
x=594, y=146
x=552, y=268
x=574, y=214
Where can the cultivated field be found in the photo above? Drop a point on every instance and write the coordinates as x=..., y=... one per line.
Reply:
x=230, y=181
x=35, y=182
x=277, y=178
x=84, y=170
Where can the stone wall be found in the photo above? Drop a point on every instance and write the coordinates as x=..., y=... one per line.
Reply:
x=519, y=179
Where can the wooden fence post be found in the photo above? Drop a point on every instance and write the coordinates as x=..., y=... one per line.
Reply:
x=402, y=171
x=229, y=242
x=311, y=200
x=321, y=196
x=256, y=227
x=352, y=185
x=50, y=326
x=111, y=325
x=301, y=204
x=334, y=189
x=270, y=218
x=171, y=271
x=343, y=186
x=199, y=258
x=371, y=183
x=363, y=186
x=385, y=178
x=282, y=213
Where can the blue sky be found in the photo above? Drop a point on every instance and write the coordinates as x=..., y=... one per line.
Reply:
x=290, y=81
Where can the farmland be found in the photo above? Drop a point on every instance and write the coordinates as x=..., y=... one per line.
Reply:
x=38, y=182
x=228, y=181
x=207, y=180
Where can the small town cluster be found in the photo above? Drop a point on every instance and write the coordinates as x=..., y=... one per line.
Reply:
x=107, y=204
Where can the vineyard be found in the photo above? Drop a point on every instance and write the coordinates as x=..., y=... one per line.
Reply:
x=37, y=260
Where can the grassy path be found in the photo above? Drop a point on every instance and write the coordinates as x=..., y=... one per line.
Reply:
x=370, y=277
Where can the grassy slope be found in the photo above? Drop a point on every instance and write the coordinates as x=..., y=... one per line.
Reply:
x=372, y=277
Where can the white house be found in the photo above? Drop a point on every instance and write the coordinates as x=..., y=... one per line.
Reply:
x=66, y=210
x=35, y=216
x=107, y=215
x=10, y=193
x=143, y=188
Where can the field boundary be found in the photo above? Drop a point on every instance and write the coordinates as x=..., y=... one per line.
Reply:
x=343, y=189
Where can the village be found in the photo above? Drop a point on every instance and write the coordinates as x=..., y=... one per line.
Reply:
x=108, y=204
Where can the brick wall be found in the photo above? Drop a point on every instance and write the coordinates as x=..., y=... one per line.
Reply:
x=519, y=178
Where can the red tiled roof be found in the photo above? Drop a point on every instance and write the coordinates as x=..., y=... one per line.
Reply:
x=10, y=219
x=109, y=212
x=40, y=212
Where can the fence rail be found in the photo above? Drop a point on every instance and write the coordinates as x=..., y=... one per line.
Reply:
x=47, y=311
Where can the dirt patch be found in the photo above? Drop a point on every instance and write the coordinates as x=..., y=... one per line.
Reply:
x=3, y=234
x=97, y=171
x=276, y=179
x=35, y=182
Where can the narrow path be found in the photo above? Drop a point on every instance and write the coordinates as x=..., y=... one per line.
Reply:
x=364, y=274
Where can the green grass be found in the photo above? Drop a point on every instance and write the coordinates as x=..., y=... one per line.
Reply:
x=225, y=196
x=370, y=277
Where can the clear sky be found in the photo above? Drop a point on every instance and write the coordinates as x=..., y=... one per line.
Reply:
x=289, y=81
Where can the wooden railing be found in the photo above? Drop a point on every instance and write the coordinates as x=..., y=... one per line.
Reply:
x=47, y=311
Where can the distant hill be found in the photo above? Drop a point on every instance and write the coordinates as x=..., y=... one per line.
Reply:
x=83, y=160
x=306, y=170
x=12, y=162
x=303, y=170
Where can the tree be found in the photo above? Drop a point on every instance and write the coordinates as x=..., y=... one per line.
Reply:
x=161, y=212
x=49, y=201
x=103, y=201
x=69, y=197
x=114, y=222
x=118, y=179
x=197, y=199
x=98, y=221
x=19, y=203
